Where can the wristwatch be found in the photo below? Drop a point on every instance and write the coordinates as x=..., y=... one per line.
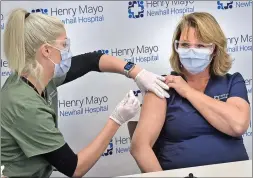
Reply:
x=128, y=67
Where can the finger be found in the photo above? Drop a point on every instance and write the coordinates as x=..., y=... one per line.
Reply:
x=157, y=92
x=162, y=78
x=176, y=78
x=166, y=94
x=166, y=78
x=162, y=84
x=131, y=100
x=172, y=85
x=131, y=93
x=169, y=79
x=136, y=102
x=161, y=88
x=125, y=99
x=161, y=91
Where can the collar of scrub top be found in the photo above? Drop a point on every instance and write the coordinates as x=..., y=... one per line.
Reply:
x=31, y=85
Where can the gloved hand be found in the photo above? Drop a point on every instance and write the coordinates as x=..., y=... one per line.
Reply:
x=2, y=168
x=147, y=81
x=126, y=109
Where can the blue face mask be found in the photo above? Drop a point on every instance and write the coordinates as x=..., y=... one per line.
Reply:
x=195, y=60
x=63, y=67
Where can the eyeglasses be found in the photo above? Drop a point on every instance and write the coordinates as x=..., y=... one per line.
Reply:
x=60, y=44
x=187, y=45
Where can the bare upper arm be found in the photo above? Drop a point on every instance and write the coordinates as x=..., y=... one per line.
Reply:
x=151, y=120
x=242, y=105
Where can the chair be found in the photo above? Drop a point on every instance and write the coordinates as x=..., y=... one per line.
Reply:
x=131, y=127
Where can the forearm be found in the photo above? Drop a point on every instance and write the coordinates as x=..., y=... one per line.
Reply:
x=221, y=115
x=89, y=155
x=146, y=159
x=112, y=64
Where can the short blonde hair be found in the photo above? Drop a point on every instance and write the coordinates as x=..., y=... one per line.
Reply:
x=23, y=36
x=208, y=31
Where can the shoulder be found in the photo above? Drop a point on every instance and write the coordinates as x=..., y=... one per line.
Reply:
x=89, y=55
x=229, y=78
x=235, y=77
x=21, y=104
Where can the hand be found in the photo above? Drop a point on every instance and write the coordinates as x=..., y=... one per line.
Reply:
x=2, y=168
x=179, y=84
x=147, y=81
x=126, y=109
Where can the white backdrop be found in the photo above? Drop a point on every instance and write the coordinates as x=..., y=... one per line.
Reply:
x=107, y=25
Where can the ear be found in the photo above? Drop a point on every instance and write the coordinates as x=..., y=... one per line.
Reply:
x=46, y=50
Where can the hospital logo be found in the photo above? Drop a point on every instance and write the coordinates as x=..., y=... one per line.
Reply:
x=221, y=97
x=141, y=9
x=83, y=106
x=137, y=92
x=43, y=11
x=118, y=145
x=224, y=6
x=135, y=9
x=104, y=51
x=82, y=13
x=109, y=149
x=135, y=54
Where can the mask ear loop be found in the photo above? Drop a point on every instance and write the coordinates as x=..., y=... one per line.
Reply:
x=51, y=60
x=212, y=53
x=213, y=48
x=176, y=42
x=54, y=48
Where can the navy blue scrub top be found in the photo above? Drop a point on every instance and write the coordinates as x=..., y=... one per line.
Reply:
x=188, y=140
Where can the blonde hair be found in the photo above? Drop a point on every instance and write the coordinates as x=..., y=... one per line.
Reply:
x=23, y=36
x=208, y=31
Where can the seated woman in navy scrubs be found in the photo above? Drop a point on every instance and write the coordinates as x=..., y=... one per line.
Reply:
x=208, y=110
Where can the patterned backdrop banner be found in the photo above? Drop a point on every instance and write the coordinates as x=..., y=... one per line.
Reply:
x=137, y=31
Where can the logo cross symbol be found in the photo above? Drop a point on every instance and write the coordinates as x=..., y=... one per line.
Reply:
x=135, y=9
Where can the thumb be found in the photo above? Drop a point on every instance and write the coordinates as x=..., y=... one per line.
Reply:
x=131, y=94
x=172, y=85
x=131, y=98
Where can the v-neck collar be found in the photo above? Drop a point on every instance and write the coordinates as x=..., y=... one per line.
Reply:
x=31, y=85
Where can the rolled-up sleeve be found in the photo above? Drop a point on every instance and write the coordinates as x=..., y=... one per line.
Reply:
x=83, y=64
x=238, y=87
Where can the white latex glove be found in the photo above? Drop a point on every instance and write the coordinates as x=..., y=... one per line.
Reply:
x=2, y=168
x=148, y=81
x=126, y=109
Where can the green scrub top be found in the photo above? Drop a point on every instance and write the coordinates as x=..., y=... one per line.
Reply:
x=28, y=128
